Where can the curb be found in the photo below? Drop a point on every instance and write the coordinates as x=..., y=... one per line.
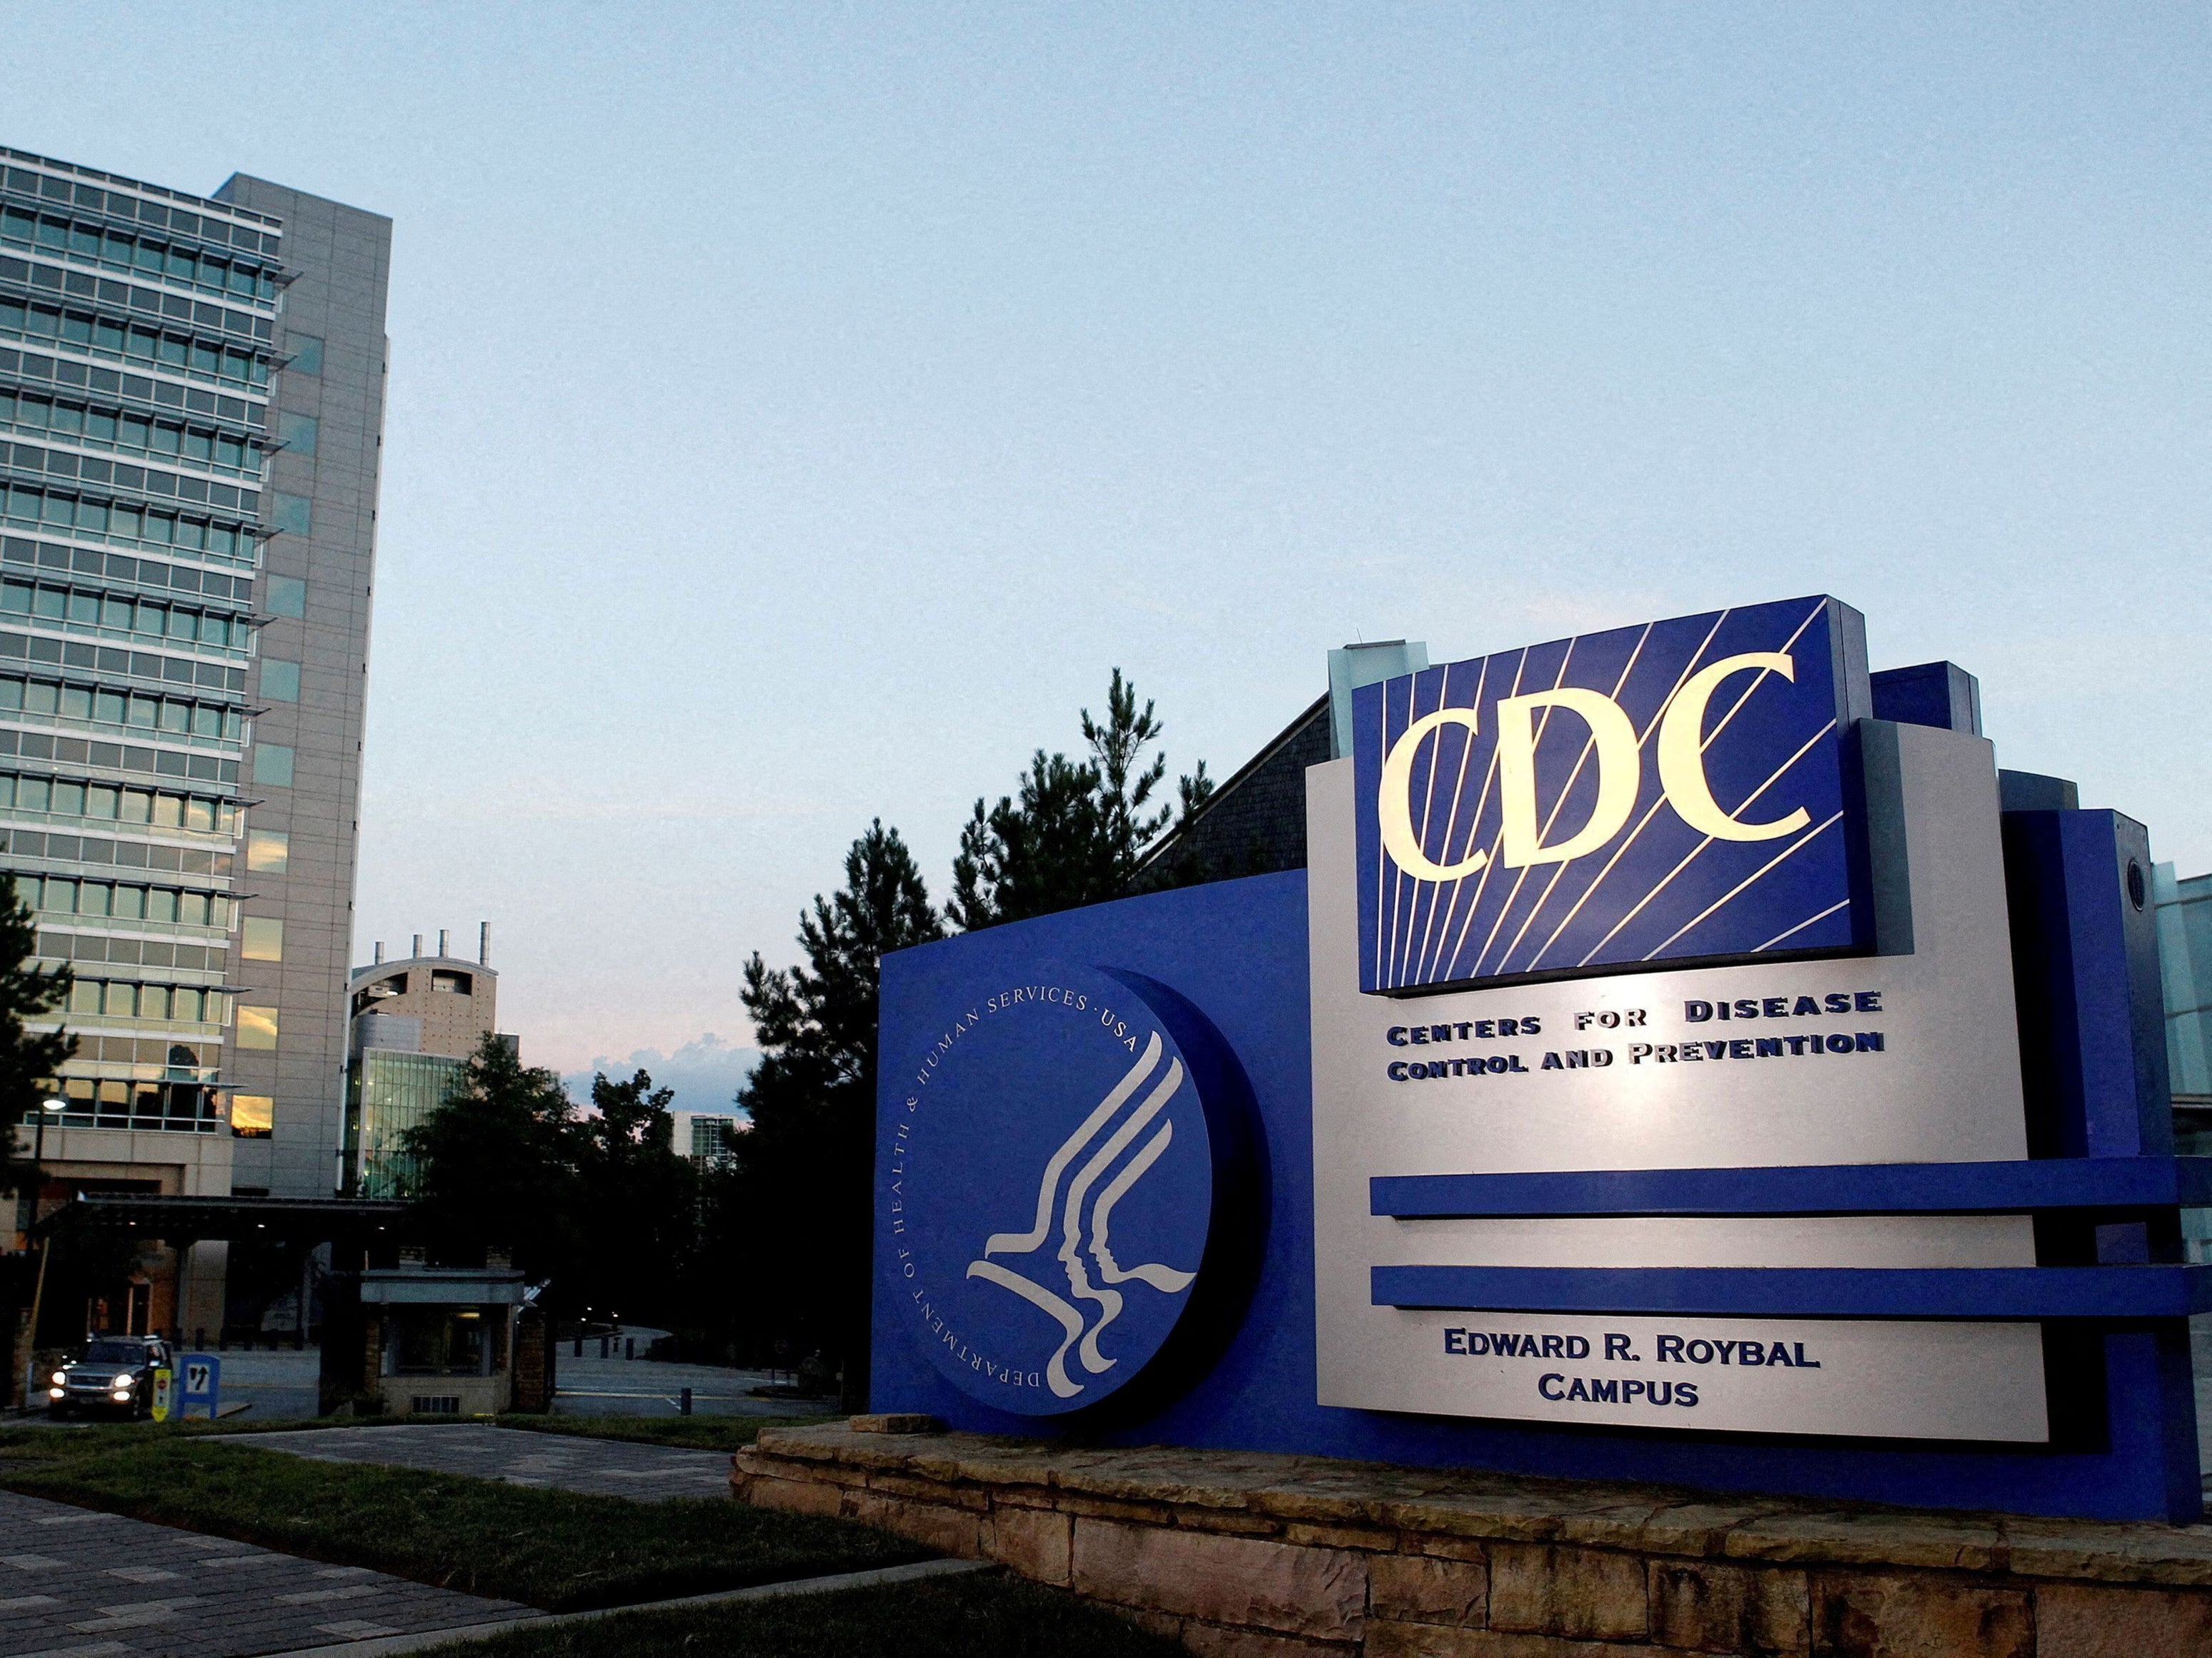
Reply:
x=378, y=1646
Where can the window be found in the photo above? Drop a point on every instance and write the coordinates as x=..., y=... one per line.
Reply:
x=261, y=938
x=453, y=982
x=280, y=680
x=292, y=513
x=257, y=1027
x=269, y=851
x=307, y=354
x=287, y=596
x=299, y=432
x=272, y=766
x=251, y=1114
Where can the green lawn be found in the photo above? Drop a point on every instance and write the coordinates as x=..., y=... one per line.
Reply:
x=558, y=1550
x=944, y=1617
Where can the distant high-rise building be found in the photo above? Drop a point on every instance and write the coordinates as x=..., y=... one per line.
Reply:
x=191, y=401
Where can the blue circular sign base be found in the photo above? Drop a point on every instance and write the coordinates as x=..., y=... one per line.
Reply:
x=1062, y=1165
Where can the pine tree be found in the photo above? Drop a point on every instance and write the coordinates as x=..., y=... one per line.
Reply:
x=799, y=1230
x=1072, y=833
x=1046, y=848
x=27, y=1061
x=1123, y=784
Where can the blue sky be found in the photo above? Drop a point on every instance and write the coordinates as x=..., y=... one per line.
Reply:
x=796, y=411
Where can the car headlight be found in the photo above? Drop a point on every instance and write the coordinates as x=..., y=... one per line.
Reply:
x=61, y=1378
x=121, y=1384
x=122, y=1396
x=54, y=1393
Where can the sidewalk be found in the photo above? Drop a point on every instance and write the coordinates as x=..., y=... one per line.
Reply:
x=78, y=1582
x=602, y=1467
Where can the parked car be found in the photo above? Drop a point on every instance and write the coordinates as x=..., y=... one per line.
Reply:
x=115, y=1375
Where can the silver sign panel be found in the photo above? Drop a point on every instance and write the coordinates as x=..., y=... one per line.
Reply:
x=1620, y=1073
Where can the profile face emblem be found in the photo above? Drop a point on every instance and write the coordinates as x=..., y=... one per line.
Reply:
x=1046, y=1197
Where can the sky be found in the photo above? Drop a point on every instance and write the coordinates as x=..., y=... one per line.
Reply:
x=796, y=412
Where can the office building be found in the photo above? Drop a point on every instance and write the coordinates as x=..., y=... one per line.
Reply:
x=191, y=395
x=416, y=1021
x=703, y=1136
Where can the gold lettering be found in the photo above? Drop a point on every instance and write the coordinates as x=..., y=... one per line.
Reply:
x=1395, y=806
x=1619, y=773
x=1682, y=753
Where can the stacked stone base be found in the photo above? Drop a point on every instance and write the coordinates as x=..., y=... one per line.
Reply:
x=1277, y=1556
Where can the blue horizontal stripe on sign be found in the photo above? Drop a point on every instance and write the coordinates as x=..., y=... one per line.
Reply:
x=1970, y=1293
x=2058, y=1183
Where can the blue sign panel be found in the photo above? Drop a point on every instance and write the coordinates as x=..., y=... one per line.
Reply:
x=1654, y=796
x=1048, y=1184
x=199, y=1384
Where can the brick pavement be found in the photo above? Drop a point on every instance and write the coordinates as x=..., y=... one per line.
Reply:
x=74, y=1583
x=520, y=1456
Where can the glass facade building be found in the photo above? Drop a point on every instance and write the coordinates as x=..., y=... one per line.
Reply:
x=2185, y=960
x=191, y=418
x=2183, y=909
x=389, y=1093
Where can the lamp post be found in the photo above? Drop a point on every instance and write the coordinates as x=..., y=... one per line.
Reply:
x=52, y=1103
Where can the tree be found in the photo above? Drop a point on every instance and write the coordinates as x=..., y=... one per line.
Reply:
x=640, y=1200
x=1043, y=850
x=27, y=1061
x=1072, y=833
x=496, y=1166
x=1123, y=784
x=799, y=1239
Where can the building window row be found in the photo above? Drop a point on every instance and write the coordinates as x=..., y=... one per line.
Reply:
x=113, y=203
x=27, y=279
x=116, y=757
x=120, y=336
x=71, y=895
x=151, y=257
x=166, y=393
x=128, y=521
x=177, y=715
x=69, y=467
x=143, y=1056
x=135, y=952
x=120, y=613
x=120, y=567
x=118, y=1102
x=106, y=998
x=110, y=662
x=108, y=802
x=128, y=430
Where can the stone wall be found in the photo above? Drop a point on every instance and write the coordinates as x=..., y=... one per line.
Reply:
x=1269, y=1557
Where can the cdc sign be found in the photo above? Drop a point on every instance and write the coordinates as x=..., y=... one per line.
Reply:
x=1662, y=794
x=1682, y=1056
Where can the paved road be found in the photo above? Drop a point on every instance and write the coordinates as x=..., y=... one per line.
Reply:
x=78, y=1584
x=281, y=1386
x=605, y=1467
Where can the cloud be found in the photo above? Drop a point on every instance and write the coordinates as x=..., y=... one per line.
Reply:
x=704, y=1072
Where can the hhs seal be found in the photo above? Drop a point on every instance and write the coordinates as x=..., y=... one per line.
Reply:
x=1048, y=1196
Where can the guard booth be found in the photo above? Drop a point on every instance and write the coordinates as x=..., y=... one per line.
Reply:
x=439, y=1340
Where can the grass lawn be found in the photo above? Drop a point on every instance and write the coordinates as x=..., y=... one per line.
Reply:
x=946, y=1618
x=558, y=1550
x=694, y=1433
